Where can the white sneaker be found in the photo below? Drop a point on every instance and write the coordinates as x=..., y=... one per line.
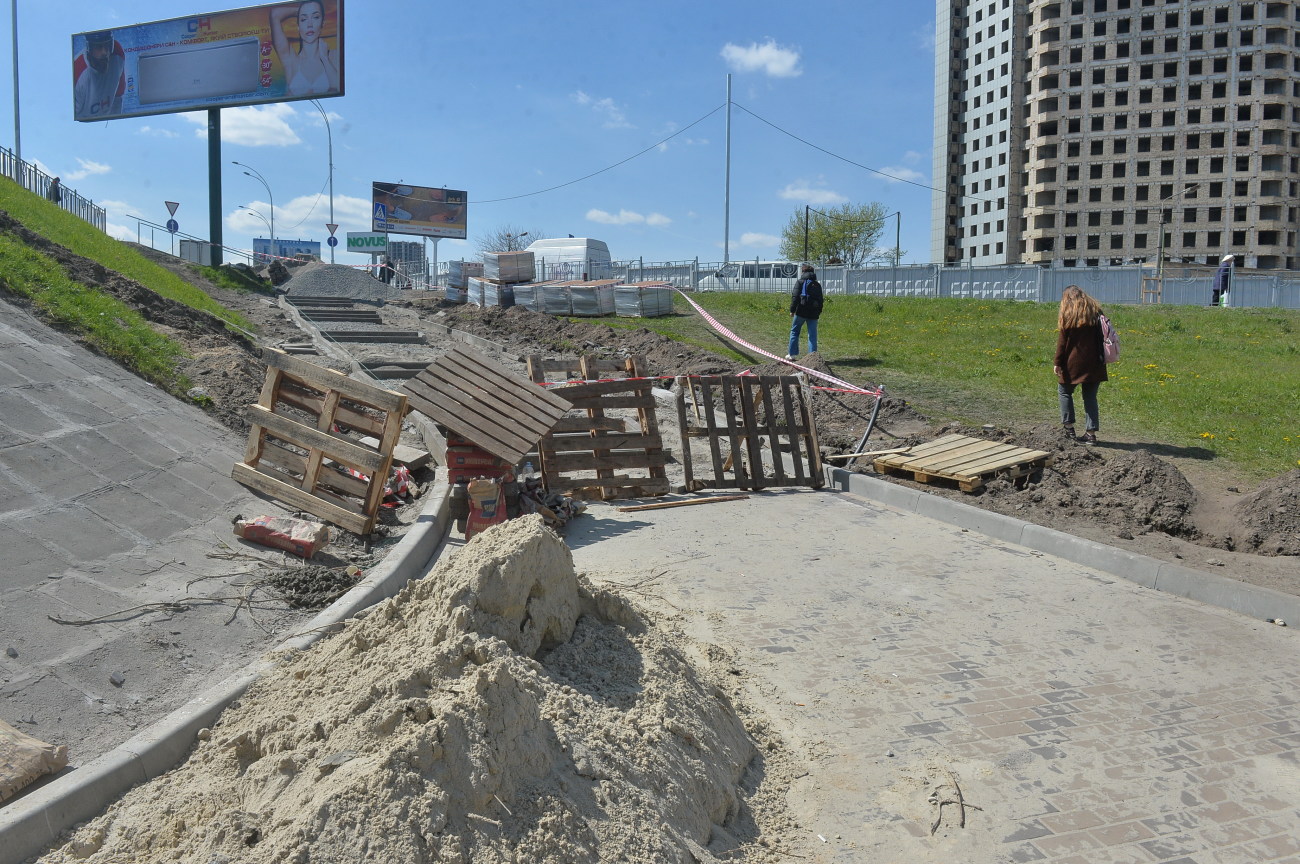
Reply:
x=789, y=356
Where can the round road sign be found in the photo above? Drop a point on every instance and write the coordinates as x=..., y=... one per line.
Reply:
x=173, y=226
x=333, y=241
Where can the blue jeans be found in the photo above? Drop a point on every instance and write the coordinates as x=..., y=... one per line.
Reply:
x=796, y=324
x=1091, y=415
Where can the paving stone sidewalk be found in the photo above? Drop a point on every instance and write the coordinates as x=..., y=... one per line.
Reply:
x=1090, y=719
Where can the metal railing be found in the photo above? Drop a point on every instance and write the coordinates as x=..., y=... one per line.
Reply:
x=38, y=182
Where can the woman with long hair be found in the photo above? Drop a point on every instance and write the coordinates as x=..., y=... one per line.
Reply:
x=1079, y=359
x=313, y=69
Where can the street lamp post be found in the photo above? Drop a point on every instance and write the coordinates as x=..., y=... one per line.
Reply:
x=1160, y=251
x=898, y=232
x=330, y=136
x=253, y=172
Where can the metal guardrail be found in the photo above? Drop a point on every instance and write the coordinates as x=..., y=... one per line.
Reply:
x=37, y=181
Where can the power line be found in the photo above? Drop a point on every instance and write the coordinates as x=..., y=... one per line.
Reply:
x=656, y=145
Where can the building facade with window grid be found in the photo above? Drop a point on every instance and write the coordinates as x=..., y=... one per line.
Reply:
x=1095, y=132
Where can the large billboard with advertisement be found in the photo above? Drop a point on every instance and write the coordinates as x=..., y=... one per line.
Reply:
x=399, y=208
x=274, y=53
x=264, y=251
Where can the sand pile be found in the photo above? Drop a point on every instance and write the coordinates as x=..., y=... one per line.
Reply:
x=499, y=710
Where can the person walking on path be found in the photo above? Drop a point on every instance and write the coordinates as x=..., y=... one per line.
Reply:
x=1080, y=360
x=805, y=308
x=55, y=192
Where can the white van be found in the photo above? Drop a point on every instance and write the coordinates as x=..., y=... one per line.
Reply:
x=751, y=276
x=571, y=258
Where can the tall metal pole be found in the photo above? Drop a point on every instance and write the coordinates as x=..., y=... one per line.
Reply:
x=18, y=126
x=898, y=233
x=330, y=135
x=253, y=172
x=214, y=187
x=726, y=206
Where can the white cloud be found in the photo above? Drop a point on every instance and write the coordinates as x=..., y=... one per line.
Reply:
x=157, y=133
x=613, y=115
x=255, y=126
x=88, y=168
x=803, y=191
x=899, y=173
x=768, y=58
x=119, y=232
x=627, y=217
x=304, y=216
x=754, y=238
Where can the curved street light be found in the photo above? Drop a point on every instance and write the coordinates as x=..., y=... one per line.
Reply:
x=330, y=136
x=252, y=172
x=258, y=214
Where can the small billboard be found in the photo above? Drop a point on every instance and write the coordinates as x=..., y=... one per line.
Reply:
x=263, y=250
x=399, y=208
x=275, y=53
x=367, y=242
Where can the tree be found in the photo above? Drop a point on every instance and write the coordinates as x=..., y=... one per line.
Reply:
x=846, y=234
x=507, y=238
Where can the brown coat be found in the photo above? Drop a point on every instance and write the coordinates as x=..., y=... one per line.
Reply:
x=1079, y=355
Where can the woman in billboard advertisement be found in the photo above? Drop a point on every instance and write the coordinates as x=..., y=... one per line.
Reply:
x=312, y=69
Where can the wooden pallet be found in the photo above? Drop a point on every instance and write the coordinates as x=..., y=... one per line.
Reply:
x=596, y=451
x=969, y=462
x=742, y=414
x=293, y=449
x=482, y=401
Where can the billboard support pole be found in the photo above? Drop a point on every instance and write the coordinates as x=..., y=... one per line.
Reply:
x=18, y=126
x=214, y=186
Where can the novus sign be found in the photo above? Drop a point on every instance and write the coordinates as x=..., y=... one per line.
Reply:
x=367, y=242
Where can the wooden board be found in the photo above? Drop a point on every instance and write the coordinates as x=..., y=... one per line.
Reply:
x=969, y=462
x=741, y=416
x=295, y=451
x=626, y=462
x=481, y=401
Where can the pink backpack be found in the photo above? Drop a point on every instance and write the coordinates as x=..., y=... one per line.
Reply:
x=1109, y=340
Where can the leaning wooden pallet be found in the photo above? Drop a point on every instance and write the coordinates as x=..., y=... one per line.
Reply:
x=300, y=462
x=626, y=462
x=969, y=462
x=744, y=415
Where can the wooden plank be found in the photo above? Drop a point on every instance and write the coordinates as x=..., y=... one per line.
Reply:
x=359, y=391
x=287, y=460
x=817, y=475
x=611, y=402
x=616, y=441
x=795, y=438
x=456, y=411
x=589, y=424
x=683, y=384
x=604, y=460
x=753, y=444
x=710, y=423
x=648, y=485
x=602, y=473
x=503, y=378
x=518, y=415
x=602, y=388
x=765, y=385
x=314, y=404
x=340, y=450
x=730, y=403
x=996, y=463
x=281, y=491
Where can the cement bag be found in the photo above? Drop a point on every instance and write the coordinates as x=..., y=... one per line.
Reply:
x=299, y=536
x=24, y=759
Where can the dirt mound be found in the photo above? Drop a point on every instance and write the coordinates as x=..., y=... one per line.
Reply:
x=1271, y=517
x=500, y=709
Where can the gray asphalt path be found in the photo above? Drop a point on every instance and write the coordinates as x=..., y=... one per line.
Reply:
x=1089, y=718
x=112, y=496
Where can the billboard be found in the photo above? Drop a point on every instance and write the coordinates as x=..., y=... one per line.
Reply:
x=398, y=208
x=367, y=242
x=274, y=53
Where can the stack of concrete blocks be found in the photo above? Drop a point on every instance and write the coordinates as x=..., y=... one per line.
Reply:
x=594, y=299
x=502, y=273
x=643, y=300
x=529, y=295
x=458, y=276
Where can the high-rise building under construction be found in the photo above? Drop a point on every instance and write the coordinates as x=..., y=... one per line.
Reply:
x=1096, y=132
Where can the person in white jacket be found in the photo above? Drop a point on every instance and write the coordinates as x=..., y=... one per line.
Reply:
x=99, y=78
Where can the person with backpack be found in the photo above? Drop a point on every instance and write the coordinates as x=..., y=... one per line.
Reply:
x=805, y=308
x=1080, y=359
x=55, y=192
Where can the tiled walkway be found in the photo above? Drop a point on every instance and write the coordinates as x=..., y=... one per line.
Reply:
x=1090, y=719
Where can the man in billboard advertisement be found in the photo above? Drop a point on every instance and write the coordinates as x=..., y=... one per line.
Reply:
x=98, y=77
x=399, y=208
x=274, y=53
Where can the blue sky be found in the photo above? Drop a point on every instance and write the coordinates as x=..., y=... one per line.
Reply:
x=506, y=99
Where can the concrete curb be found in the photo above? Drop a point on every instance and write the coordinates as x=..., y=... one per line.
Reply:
x=33, y=822
x=1255, y=601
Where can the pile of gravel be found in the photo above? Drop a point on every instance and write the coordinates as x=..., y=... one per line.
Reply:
x=338, y=280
